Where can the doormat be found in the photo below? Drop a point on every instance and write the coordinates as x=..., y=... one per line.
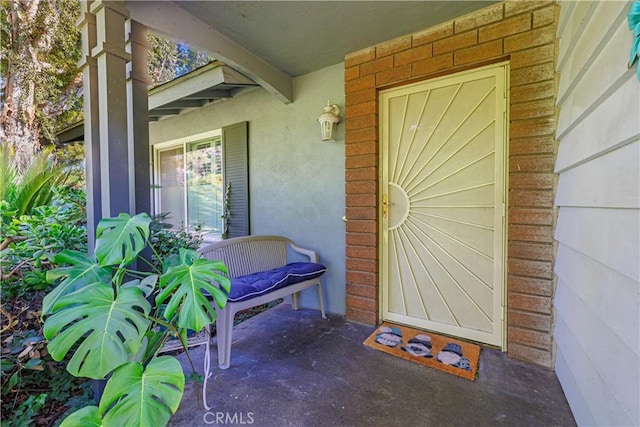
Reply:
x=429, y=349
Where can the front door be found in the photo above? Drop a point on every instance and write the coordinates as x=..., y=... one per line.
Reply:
x=442, y=240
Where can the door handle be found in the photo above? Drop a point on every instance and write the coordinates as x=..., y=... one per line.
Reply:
x=385, y=206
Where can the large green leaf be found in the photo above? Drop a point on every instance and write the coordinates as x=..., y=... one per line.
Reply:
x=137, y=396
x=82, y=272
x=184, y=285
x=88, y=416
x=119, y=240
x=108, y=330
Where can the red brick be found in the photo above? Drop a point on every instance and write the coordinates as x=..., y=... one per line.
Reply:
x=532, y=74
x=353, y=123
x=364, y=239
x=393, y=75
x=537, y=304
x=364, y=161
x=433, y=33
x=530, y=39
x=361, y=213
x=531, y=198
x=531, y=216
x=362, y=290
x=482, y=17
x=533, y=56
x=360, y=303
x=431, y=65
x=537, y=251
x=361, y=174
x=359, y=57
x=412, y=55
x=362, y=317
x=531, y=233
x=361, y=200
x=531, y=180
x=361, y=187
x=527, y=110
x=363, y=137
x=393, y=46
x=545, y=16
x=535, y=163
x=361, y=226
x=359, y=84
x=361, y=109
x=478, y=53
x=364, y=252
x=351, y=73
x=359, y=149
x=514, y=7
x=504, y=28
x=530, y=268
x=537, y=339
x=533, y=91
x=533, y=145
x=362, y=278
x=524, y=319
x=532, y=127
x=530, y=285
x=530, y=354
x=363, y=265
x=376, y=65
x=459, y=41
x=364, y=95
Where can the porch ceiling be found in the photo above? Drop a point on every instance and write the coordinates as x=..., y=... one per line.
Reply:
x=273, y=41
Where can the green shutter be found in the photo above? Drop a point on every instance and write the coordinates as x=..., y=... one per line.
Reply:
x=235, y=158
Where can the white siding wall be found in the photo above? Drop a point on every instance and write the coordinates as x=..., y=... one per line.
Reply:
x=597, y=299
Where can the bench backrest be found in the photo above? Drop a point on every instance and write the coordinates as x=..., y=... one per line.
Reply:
x=248, y=254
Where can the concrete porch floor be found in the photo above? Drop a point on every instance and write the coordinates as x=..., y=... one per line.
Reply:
x=292, y=368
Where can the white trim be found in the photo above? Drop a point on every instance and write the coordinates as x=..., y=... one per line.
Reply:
x=187, y=139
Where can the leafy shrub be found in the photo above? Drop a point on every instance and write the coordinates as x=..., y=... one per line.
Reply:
x=30, y=239
x=166, y=241
x=35, y=389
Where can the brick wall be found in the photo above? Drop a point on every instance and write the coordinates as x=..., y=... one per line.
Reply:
x=524, y=33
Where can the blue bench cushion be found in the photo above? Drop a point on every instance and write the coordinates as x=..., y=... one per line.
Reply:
x=263, y=282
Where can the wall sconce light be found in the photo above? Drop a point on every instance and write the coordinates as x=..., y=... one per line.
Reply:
x=328, y=120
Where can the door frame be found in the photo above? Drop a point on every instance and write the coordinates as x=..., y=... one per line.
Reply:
x=383, y=177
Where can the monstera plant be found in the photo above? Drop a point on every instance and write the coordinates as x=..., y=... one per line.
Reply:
x=110, y=319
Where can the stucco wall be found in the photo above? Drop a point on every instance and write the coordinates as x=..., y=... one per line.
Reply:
x=296, y=180
x=598, y=231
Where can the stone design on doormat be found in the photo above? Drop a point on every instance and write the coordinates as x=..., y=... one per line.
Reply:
x=420, y=346
x=443, y=353
x=390, y=337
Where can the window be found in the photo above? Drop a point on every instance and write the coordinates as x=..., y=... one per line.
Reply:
x=194, y=175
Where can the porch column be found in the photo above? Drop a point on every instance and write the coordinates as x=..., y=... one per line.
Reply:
x=112, y=59
x=87, y=25
x=116, y=112
x=138, y=118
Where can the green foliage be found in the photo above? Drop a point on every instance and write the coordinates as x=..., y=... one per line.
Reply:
x=167, y=242
x=35, y=187
x=29, y=239
x=107, y=326
x=40, y=50
x=168, y=59
x=183, y=285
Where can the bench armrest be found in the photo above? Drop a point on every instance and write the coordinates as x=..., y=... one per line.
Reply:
x=313, y=256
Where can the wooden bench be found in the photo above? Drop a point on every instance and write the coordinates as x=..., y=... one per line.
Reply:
x=260, y=273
